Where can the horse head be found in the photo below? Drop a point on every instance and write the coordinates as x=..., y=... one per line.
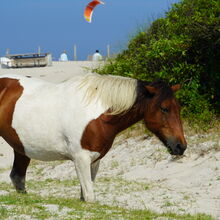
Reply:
x=162, y=116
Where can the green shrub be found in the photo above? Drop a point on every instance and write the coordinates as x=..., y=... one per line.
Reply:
x=183, y=47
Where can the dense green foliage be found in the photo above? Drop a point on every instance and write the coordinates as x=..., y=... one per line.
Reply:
x=183, y=47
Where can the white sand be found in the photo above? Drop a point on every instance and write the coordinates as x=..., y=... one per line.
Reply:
x=58, y=72
x=188, y=185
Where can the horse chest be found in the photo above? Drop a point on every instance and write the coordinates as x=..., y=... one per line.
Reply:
x=98, y=136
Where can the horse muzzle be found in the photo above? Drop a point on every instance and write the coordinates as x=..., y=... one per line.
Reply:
x=176, y=148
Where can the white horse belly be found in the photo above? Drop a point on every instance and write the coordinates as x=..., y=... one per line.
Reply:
x=39, y=132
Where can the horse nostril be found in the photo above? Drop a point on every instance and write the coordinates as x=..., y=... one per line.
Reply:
x=180, y=149
x=175, y=147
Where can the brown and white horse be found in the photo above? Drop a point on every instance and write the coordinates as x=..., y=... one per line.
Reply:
x=78, y=120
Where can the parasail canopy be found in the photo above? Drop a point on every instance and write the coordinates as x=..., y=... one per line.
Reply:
x=89, y=9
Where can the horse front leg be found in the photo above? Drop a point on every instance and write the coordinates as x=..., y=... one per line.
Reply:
x=82, y=164
x=18, y=171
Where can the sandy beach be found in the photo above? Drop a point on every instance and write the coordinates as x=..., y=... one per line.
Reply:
x=142, y=175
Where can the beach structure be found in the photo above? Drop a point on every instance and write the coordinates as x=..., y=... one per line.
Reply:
x=5, y=62
x=27, y=60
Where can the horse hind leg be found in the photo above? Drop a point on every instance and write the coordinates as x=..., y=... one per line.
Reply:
x=18, y=171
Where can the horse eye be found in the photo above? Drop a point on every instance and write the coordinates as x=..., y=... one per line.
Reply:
x=164, y=110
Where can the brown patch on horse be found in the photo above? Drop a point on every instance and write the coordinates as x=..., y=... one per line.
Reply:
x=10, y=92
x=100, y=133
x=98, y=136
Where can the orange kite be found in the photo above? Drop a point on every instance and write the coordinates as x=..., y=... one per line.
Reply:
x=89, y=9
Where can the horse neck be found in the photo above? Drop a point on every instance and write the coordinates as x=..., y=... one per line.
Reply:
x=129, y=119
x=123, y=121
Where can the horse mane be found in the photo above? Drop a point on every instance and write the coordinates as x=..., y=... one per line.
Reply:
x=116, y=93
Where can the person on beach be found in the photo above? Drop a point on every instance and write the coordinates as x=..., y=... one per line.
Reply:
x=63, y=56
x=97, y=56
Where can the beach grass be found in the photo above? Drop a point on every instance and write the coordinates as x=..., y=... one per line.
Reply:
x=35, y=206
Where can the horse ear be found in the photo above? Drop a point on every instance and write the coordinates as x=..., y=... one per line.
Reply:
x=152, y=90
x=176, y=87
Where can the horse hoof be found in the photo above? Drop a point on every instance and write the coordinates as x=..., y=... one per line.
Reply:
x=82, y=199
x=21, y=191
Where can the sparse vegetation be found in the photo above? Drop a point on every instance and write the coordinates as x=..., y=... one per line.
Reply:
x=33, y=206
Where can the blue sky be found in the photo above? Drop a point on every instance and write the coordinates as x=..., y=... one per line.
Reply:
x=56, y=25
